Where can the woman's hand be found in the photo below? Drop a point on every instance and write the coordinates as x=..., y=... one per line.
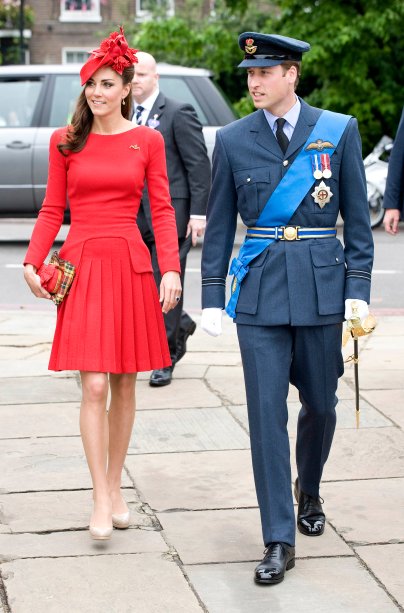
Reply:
x=34, y=282
x=170, y=290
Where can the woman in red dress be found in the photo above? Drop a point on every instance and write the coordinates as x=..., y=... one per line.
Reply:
x=110, y=326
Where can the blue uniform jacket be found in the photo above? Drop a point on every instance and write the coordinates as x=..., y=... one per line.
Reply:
x=394, y=194
x=302, y=282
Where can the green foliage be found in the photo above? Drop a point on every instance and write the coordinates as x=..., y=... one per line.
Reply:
x=10, y=14
x=10, y=20
x=210, y=42
x=354, y=65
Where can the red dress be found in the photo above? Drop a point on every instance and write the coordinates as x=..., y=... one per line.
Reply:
x=111, y=321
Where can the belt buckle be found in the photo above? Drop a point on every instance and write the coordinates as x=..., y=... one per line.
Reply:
x=290, y=233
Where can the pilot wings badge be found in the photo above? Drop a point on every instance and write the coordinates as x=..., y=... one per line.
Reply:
x=319, y=145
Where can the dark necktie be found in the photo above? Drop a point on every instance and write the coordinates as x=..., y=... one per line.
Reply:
x=138, y=116
x=280, y=134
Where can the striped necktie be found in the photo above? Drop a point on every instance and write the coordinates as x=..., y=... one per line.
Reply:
x=138, y=116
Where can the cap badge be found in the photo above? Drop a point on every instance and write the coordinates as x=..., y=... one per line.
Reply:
x=322, y=194
x=249, y=46
x=319, y=145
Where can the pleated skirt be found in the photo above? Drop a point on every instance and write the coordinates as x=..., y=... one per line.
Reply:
x=111, y=321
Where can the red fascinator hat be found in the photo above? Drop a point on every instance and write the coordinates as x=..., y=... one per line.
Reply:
x=114, y=51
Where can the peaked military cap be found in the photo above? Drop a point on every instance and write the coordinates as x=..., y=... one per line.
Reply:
x=270, y=49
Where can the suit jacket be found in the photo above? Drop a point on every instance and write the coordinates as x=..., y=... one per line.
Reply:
x=302, y=282
x=394, y=194
x=188, y=165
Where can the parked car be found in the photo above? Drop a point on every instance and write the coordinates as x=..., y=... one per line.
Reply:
x=34, y=100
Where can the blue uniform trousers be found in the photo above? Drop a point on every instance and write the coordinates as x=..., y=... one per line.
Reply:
x=310, y=358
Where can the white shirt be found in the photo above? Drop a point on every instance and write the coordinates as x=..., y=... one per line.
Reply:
x=147, y=105
x=291, y=119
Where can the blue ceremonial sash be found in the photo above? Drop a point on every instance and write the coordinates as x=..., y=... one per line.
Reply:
x=285, y=199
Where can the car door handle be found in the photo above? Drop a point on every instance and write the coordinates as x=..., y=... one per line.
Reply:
x=18, y=144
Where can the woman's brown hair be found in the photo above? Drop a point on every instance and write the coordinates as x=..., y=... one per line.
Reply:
x=82, y=119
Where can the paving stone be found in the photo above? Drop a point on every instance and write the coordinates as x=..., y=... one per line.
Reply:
x=227, y=341
x=206, y=480
x=384, y=562
x=78, y=543
x=189, y=371
x=34, y=464
x=228, y=383
x=388, y=402
x=53, y=419
x=21, y=390
x=172, y=430
x=182, y=393
x=145, y=583
x=25, y=368
x=63, y=510
x=373, y=379
x=25, y=340
x=234, y=535
x=385, y=353
x=365, y=454
x=31, y=323
x=369, y=511
x=212, y=358
x=336, y=585
x=21, y=353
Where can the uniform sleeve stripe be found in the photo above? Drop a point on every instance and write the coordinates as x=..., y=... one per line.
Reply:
x=350, y=276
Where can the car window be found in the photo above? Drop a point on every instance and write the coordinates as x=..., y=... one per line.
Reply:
x=177, y=88
x=67, y=90
x=18, y=98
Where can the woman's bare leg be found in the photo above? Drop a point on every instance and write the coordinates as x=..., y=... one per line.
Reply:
x=94, y=434
x=121, y=416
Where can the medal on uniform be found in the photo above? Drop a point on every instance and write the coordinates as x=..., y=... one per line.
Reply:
x=316, y=165
x=326, y=165
x=153, y=123
x=322, y=194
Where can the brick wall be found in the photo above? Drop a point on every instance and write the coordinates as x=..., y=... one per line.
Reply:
x=50, y=35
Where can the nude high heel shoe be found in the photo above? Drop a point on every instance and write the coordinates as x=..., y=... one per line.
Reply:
x=121, y=520
x=100, y=534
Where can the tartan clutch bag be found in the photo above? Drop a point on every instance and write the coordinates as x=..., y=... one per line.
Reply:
x=57, y=277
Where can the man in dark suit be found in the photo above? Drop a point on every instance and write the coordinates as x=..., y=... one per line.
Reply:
x=189, y=175
x=393, y=200
x=288, y=169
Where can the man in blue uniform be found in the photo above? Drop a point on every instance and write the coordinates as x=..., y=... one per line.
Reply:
x=393, y=200
x=288, y=169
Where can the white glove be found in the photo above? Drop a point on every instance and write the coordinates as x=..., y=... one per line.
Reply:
x=363, y=308
x=211, y=321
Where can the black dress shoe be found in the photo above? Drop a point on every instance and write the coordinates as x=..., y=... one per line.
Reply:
x=161, y=377
x=279, y=557
x=182, y=341
x=310, y=514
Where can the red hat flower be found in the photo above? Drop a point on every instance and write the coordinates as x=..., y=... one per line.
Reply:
x=114, y=51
